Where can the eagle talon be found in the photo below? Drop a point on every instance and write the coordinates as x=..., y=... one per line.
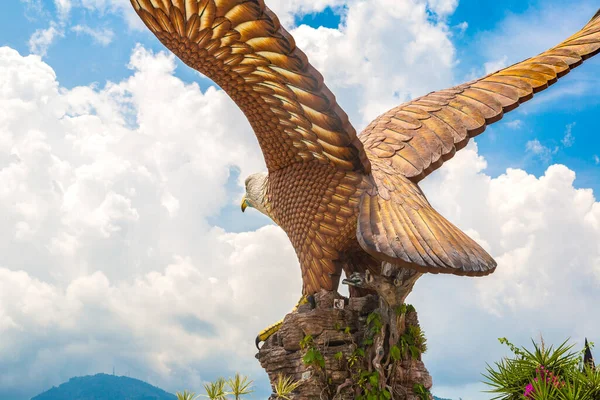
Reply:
x=356, y=279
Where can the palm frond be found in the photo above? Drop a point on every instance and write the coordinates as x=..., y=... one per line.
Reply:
x=216, y=390
x=186, y=395
x=239, y=386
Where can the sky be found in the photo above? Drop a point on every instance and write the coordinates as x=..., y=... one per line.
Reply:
x=121, y=172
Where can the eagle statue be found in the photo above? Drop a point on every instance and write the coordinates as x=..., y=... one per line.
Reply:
x=348, y=202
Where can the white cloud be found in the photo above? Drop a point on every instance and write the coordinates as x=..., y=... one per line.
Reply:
x=596, y=159
x=102, y=36
x=442, y=7
x=33, y=7
x=515, y=124
x=122, y=7
x=63, y=7
x=462, y=27
x=43, y=38
x=63, y=10
x=286, y=10
x=496, y=65
x=544, y=153
x=208, y=309
x=505, y=45
x=568, y=140
x=538, y=25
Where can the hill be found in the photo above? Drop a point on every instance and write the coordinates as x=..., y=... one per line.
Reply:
x=105, y=387
x=109, y=387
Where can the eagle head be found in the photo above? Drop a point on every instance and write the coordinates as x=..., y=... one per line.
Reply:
x=256, y=193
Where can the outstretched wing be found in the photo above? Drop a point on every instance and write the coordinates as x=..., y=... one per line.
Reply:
x=241, y=46
x=398, y=224
x=417, y=137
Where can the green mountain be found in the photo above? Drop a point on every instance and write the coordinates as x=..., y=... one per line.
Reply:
x=105, y=387
x=109, y=387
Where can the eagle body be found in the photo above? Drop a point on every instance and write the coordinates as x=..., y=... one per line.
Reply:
x=349, y=202
x=328, y=200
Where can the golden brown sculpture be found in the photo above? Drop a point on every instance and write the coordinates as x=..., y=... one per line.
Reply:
x=348, y=202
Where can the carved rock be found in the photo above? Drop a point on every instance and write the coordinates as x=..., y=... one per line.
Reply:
x=334, y=331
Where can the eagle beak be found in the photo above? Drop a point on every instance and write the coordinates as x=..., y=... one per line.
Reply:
x=244, y=203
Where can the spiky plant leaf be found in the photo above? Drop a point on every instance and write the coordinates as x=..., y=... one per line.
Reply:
x=239, y=386
x=284, y=386
x=509, y=377
x=186, y=395
x=216, y=390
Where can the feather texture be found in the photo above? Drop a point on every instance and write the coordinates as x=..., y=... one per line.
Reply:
x=402, y=228
x=467, y=109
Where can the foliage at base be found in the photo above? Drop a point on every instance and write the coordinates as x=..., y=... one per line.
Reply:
x=366, y=381
x=543, y=374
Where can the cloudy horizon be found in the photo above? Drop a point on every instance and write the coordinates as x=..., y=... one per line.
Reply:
x=121, y=172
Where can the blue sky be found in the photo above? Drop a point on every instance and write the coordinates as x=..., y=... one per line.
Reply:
x=558, y=127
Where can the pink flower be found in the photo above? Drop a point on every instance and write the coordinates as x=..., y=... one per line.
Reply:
x=528, y=390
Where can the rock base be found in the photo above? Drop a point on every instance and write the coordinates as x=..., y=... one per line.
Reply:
x=336, y=334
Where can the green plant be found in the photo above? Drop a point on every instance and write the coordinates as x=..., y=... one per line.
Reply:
x=421, y=392
x=186, y=395
x=544, y=373
x=419, y=338
x=369, y=384
x=239, y=386
x=412, y=343
x=374, y=323
x=395, y=353
x=401, y=309
x=313, y=356
x=284, y=386
x=356, y=356
x=216, y=390
x=306, y=342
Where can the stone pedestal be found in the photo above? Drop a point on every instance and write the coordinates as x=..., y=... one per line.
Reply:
x=338, y=335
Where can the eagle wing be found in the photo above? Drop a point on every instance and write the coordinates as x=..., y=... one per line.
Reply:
x=242, y=47
x=407, y=143
x=418, y=136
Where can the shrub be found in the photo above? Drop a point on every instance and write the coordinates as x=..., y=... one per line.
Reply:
x=544, y=373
